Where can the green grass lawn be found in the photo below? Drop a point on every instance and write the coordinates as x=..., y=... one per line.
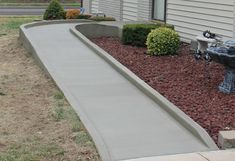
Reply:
x=70, y=143
x=10, y=25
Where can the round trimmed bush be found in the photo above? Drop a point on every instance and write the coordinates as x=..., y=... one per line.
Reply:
x=163, y=41
x=54, y=11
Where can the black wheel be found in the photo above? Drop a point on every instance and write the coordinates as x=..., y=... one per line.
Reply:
x=198, y=54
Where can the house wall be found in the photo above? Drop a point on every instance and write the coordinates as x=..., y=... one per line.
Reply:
x=144, y=10
x=130, y=10
x=95, y=6
x=121, y=9
x=111, y=8
x=87, y=6
x=192, y=17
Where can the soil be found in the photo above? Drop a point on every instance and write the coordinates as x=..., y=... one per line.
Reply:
x=188, y=83
x=26, y=105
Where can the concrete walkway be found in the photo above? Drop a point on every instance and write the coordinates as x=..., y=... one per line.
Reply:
x=223, y=155
x=123, y=121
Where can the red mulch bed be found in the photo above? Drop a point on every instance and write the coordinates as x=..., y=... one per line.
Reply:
x=182, y=80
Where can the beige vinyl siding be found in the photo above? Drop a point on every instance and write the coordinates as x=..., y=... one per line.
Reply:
x=94, y=6
x=130, y=10
x=144, y=10
x=127, y=10
x=111, y=8
x=87, y=6
x=192, y=17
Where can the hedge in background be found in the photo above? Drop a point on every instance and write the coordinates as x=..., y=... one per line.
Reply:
x=102, y=18
x=84, y=16
x=136, y=34
x=163, y=41
x=54, y=11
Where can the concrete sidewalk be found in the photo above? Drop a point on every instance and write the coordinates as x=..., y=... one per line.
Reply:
x=124, y=122
x=226, y=155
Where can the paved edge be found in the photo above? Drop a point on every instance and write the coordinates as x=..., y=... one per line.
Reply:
x=222, y=155
x=45, y=22
x=187, y=122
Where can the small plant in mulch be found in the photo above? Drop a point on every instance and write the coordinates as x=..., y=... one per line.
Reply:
x=163, y=41
x=54, y=11
x=101, y=18
x=84, y=16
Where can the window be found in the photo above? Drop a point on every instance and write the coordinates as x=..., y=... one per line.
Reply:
x=159, y=9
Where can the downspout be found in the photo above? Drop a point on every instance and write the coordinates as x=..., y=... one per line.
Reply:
x=121, y=10
x=81, y=3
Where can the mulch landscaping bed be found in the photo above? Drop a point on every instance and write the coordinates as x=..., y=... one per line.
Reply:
x=183, y=80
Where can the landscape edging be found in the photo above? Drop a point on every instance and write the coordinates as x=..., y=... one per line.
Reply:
x=174, y=111
x=177, y=114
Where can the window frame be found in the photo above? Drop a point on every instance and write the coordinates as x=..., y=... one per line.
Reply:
x=165, y=4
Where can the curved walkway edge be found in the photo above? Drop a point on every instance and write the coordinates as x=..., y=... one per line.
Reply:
x=126, y=118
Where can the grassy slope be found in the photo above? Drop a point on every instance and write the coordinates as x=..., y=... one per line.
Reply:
x=10, y=25
x=44, y=127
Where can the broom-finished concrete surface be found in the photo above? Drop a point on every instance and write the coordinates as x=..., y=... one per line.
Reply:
x=124, y=121
x=227, y=155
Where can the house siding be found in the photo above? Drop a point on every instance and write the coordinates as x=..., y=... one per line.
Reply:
x=127, y=10
x=111, y=8
x=87, y=6
x=144, y=10
x=192, y=17
x=130, y=10
x=95, y=6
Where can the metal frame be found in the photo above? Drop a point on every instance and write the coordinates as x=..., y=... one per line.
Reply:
x=165, y=7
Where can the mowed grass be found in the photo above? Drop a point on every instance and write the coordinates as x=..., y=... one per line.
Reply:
x=10, y=25
x=44, y=126
x=32, y=149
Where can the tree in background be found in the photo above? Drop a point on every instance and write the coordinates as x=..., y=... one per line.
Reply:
x=54, y=11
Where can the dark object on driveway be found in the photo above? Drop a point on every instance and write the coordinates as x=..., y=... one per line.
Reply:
x=225, y=55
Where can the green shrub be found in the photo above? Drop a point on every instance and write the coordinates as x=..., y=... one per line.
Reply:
x=83, y=16
x=163, y=41
x=136, y=34
x=101, y=18
x=54, y=11
x=163, y=24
